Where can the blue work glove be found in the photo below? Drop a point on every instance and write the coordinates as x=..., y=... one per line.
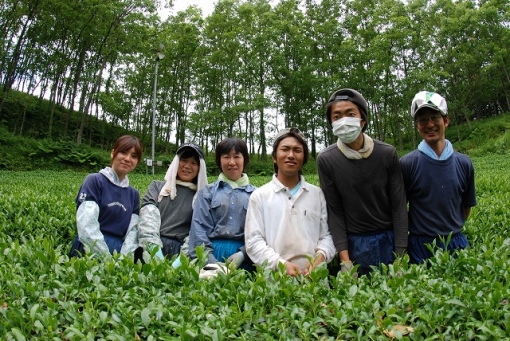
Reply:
x=159, y=253
x=177, y=262
x=236, y=260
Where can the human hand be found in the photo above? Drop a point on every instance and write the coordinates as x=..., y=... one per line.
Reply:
x=319, y=258
x=294, y=270
x=348, y=267
x=235, y=260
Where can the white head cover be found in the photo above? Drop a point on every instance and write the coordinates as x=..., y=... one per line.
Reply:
x=171, y=181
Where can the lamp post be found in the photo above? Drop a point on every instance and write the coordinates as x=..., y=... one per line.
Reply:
x=159, y=56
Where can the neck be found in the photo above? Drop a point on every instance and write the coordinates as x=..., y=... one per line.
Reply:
x=438, y=147
x=358, y=143
x=289, y=181
x=120, y=176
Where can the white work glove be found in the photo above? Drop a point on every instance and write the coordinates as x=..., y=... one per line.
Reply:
x=212, y=270
x=236, y=260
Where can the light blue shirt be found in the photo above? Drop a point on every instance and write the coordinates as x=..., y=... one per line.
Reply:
x=219, y=213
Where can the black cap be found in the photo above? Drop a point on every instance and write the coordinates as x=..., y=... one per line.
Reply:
x=193, y=146
x=351, y=96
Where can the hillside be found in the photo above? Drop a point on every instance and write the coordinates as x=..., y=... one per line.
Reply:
x=30, y=147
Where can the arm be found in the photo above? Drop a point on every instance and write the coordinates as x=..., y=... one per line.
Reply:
x=468, y=211
x=336, y=218
x=131, y=239
x=150, y=218
x=398, y=204
x=255, y=237
x=202, y=223
x=469, y=196
x=325, y=244
x=89, y=231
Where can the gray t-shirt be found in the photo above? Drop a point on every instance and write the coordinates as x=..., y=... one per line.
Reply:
x=175, y=214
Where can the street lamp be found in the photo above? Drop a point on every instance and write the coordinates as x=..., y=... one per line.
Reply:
x=159, y=56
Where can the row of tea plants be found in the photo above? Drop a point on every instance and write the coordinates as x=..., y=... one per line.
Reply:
x=46, y=296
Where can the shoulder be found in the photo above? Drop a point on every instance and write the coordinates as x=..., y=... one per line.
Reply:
x=134, y=191
x=384, y=146
x=265, y=188
x=462, y=157
x=463, y=160
x=327, y=156
x=316, y=190
x=209, y=190
x=95, y=179
x=331, y=149
x=155, y=185
x=410, y=156
x=250, y=188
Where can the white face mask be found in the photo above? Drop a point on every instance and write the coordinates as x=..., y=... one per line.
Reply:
x=347, y=129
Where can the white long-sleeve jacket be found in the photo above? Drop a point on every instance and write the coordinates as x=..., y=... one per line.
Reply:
x=281, y=227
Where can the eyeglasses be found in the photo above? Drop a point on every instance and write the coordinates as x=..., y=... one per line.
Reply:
x=424, y=120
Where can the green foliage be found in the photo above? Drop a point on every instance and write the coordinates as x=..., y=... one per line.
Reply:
x=20, y=153
x=45, y=295
x=485, y=137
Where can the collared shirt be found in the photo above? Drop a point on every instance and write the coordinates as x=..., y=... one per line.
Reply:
x=219, y=213
x=281, y=227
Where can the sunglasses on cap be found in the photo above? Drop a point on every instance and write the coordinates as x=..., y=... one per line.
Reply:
x=286, y=131
x=342, y=95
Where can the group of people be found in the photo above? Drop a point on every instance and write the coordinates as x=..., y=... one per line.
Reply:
x=370, y=207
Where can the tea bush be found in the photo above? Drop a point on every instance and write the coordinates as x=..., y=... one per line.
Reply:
x=44, y=295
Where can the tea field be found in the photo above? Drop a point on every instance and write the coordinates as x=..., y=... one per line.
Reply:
x=46, y=296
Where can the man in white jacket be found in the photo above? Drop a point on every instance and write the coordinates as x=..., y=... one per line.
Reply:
x=286, y=221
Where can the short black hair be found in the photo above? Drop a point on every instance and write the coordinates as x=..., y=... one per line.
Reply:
x=229, y=144
x=290, y=132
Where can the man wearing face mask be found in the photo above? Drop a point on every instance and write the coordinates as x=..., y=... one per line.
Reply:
x=363, y=186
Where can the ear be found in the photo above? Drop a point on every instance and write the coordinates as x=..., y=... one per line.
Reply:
x=112, y=153
x=446, y=120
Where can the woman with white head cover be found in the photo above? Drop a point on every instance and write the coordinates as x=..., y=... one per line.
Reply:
x=167, y=206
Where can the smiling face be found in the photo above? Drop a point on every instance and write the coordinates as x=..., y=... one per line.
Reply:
x=232, y=164
x=431, y=125
x=188, y=169
x=124, y=162
x=289, y=158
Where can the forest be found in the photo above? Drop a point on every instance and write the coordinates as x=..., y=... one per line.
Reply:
x=248, y=69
